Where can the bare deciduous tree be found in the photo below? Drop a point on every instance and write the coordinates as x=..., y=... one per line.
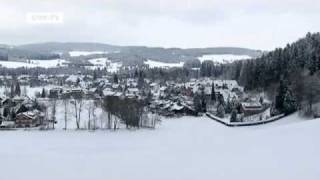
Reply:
x=65, y=103
x=53, y=112
x=77, y=102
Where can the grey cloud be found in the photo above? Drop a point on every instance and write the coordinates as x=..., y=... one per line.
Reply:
x=263, y=24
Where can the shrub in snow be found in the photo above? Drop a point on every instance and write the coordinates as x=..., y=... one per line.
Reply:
x=233, y=117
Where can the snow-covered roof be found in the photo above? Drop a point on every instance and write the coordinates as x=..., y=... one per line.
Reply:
x=176, y=107
x=163, y=88
x=92, y=89
x=251, y=104
x=133, y=89
x=73, y=78
x=115, y=86
x=108, y=92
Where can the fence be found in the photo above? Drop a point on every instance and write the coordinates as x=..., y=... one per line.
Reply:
x=234, y=124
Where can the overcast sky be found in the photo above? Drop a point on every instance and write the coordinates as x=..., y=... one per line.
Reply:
x=259, y=24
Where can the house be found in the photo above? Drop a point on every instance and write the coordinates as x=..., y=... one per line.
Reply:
x=29, y=119
x=133, y=91
x=74, y=79
x=116, y=87
x=177, y=109
x=95, y=93
x=154, y=86
x=251, y=108
x=108, y=92
x=18, y=99
x=226, y=84
x=163, y=90
x=55, y=92
x=76, y=92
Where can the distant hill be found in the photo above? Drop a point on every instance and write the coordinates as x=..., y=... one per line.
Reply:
x=127, y=54
x=69, y=46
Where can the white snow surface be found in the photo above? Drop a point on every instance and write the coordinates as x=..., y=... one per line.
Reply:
x=222, y=58
x=34, y=63
x=158, y=64
x=185, y=148
x=85, y=53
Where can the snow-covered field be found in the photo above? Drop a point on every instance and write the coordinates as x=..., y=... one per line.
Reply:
x=223, y=58
x=34, y=63
x=187, y=148
x=157, y=64
x=98, y=63
x=85, y=53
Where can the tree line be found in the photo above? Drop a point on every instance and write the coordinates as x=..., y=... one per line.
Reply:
x=291, y=74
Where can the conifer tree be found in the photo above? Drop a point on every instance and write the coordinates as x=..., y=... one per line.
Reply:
x=213, y=93
x=17, y=89
x=43, y=93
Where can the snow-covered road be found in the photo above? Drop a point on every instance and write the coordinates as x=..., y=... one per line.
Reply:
x=179, y=149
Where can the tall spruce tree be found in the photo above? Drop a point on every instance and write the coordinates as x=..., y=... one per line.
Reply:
x=140, y=80
x=289, y=103
x=285, y=101
x=280, y=95
x=43, y=93
x=197, y=102
x=12, y=91
x=17, y=89
x=213, y=93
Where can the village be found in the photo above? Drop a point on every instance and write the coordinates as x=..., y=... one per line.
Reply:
x=33, y=102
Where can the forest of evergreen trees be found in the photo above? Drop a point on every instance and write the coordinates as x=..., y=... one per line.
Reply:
x=289, y=75
x=282, y=63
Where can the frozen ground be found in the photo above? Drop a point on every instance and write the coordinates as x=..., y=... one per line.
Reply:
x=223, y=58
x=187, y=148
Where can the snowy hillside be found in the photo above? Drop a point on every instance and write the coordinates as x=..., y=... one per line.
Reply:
x=85, y=53
x=34, y=63
x=223, y=58
x=157, y=64
x=187, y=148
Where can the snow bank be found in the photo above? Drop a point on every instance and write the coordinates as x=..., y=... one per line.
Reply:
x=223, y=58
x=187, y=148
x=157, y=64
